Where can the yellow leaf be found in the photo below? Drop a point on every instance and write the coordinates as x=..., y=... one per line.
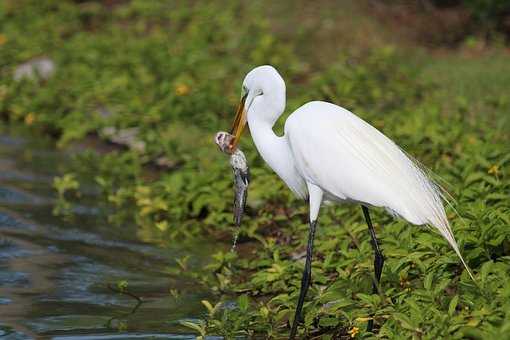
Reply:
x=473, y=322
x=29, y=118
x=208, y=305
x=182, y=90
x=143, y=190
x=493, y=170
x=363, y=319
x=145, y=211
x=163, y=225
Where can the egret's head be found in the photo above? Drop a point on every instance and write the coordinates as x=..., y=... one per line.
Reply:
x=262, y=84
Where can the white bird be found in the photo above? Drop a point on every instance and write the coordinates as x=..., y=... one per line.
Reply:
x=329, y=153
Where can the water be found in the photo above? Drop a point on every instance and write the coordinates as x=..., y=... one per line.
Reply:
x=54, y=274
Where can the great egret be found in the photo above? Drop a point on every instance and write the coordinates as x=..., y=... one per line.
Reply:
x=329, y=153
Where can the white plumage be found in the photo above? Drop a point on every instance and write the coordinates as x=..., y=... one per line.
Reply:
x=328, y=153
x=352, y=161
x=329, y=147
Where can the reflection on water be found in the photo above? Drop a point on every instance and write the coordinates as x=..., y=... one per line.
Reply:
x=54, y=275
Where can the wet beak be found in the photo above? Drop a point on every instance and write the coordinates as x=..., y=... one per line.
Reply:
x=239, y=124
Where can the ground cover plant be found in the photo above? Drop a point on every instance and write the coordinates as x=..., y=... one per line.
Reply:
x=150, y=71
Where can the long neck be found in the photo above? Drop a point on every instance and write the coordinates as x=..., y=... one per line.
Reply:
x=273, y=149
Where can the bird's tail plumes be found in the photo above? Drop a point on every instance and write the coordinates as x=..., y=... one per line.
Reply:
x=420, y=199
x=433, y=210
x=445, y=230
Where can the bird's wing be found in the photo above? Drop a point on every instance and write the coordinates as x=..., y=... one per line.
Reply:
x=351, y=160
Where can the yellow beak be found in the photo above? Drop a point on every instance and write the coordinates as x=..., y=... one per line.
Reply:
x=239, y=124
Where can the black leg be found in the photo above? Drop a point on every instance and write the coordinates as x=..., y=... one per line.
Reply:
x=378, y=259
x=305, y=280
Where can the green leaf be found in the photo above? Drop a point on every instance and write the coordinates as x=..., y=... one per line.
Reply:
x=453, y=305
x=243, y=302
x=328, y=322
x=427, y=283
x=197, y=327
x=405, y=322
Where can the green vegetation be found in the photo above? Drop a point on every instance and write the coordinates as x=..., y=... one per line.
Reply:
x=173, y=71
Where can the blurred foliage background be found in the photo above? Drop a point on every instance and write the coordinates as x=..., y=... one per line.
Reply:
x=144, y=85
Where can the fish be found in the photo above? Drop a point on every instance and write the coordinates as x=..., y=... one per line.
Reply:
x=241, y=173
x=241, y=183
